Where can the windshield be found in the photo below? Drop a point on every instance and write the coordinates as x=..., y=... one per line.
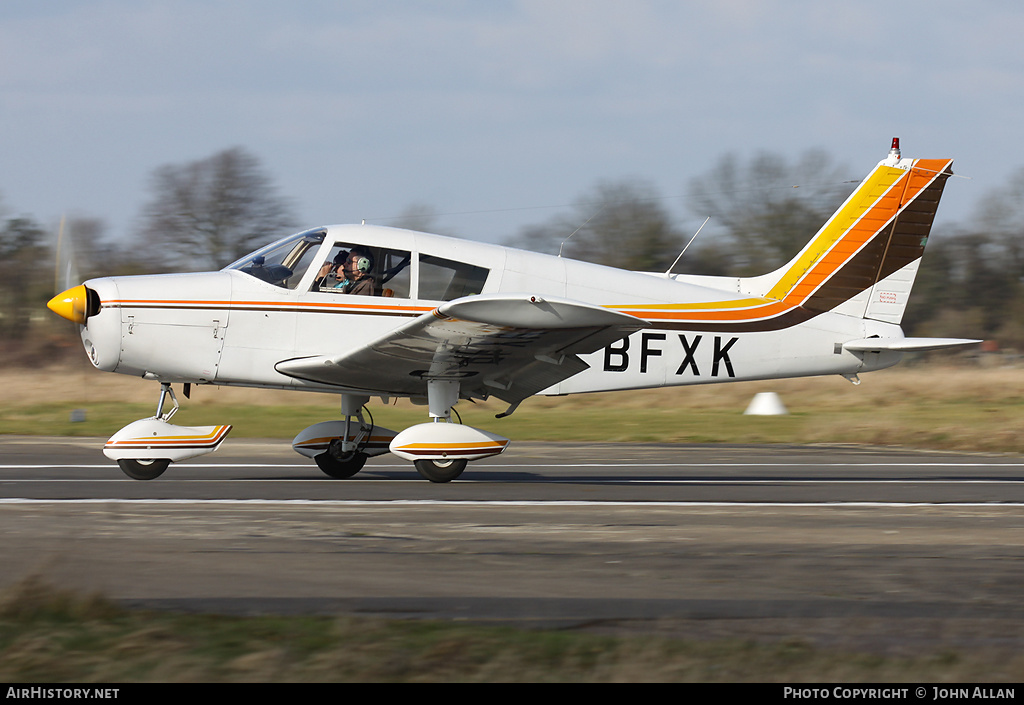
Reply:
x=282, y=263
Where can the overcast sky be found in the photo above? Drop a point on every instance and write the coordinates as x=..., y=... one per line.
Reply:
x=493, y=113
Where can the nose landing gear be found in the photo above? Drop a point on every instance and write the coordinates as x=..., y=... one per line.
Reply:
x=143, y=469
x=145, y=448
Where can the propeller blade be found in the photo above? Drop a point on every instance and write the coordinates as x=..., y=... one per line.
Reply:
x=65, y=274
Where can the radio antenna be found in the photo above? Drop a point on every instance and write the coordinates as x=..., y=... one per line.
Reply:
x=580, y=228
x=668, y=272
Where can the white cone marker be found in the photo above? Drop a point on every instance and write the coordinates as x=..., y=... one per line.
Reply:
x=766, y=404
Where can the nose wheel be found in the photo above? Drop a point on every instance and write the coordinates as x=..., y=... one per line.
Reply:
x=152, y=468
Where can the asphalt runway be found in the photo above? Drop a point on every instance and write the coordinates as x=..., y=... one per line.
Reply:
x=864, y=548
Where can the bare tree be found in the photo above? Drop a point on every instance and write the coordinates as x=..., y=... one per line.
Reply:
x=421, y=217
x=1001, y=216
x=769, y=208
x=621, y=224
x=972, y=276
x=26, y=277
x=207, y=213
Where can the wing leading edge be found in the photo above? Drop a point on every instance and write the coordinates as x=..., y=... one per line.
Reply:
x=510, y=346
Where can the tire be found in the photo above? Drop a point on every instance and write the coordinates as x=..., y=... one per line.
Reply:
x=144, y=469
x=440, y=470
x=340, y=469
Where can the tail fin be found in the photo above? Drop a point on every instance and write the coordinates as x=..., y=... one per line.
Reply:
x=864, y=260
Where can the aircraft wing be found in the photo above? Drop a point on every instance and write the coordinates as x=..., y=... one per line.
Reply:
x=510, y=346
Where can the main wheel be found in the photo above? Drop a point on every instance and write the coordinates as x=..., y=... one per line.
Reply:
x=440, y=470
x=340, y=469
x=143, y=469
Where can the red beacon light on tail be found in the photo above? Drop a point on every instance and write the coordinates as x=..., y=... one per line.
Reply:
x=894, y=151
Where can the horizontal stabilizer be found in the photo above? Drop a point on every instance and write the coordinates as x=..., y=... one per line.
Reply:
x=906, y=344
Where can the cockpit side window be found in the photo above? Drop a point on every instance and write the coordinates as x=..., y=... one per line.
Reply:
x=447, y=280
x=353, y=268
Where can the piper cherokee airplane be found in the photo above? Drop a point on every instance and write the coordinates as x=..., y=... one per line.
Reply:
x=368, y=311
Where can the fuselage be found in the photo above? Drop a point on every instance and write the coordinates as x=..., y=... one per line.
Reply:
x=234, y=326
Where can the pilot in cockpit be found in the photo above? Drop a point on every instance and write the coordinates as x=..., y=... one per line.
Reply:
x=332, y=272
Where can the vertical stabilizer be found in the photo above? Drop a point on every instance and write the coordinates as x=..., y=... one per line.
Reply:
x=864, y=260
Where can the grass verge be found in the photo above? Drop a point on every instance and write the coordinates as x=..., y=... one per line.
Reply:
x=50, y=635
x=928, y=407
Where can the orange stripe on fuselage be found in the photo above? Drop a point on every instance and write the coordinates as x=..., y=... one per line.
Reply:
x=315, y=305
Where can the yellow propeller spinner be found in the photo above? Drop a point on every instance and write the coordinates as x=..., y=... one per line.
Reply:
x=70, y=304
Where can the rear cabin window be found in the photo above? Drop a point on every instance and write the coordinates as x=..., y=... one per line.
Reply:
x=446, y=280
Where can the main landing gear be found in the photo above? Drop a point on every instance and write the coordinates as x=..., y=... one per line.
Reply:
x=440, y=470
x=343, y=467
x=340, y=448
x=440, y=450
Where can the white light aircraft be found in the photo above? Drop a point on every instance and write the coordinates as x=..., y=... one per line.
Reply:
x=368, y=311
